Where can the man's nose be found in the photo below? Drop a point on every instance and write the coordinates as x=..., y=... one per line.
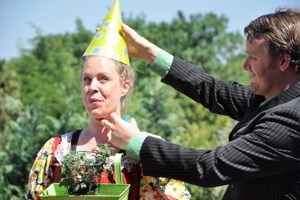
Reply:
x=246, y=65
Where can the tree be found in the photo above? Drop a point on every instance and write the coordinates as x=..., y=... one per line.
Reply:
x=48, y=101
x=9, y=94
x=9, y=111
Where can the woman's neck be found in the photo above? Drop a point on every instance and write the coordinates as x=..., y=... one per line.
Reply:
x=92, y=135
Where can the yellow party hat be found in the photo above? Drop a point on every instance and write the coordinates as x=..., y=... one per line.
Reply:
x=107, y=41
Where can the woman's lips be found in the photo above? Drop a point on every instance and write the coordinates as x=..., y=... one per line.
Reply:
x=95, y=101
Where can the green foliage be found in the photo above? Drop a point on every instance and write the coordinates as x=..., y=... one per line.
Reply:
x=14, y=148
x=82, y=170
x=40, y=93
x=9, y=97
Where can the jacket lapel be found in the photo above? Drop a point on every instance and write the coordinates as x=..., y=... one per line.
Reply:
x=288, y=95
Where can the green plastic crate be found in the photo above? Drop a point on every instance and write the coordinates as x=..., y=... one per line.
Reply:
x=105, y=191
x=118, y=191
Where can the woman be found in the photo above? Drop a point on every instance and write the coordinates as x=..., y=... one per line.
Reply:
x=105, y=84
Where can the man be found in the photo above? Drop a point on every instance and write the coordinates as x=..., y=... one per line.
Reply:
x=262, y=158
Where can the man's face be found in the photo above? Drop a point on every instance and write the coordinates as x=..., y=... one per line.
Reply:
x=264, y=70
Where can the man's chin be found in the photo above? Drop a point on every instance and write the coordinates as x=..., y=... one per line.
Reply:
x=252, y=88
x=255, y=90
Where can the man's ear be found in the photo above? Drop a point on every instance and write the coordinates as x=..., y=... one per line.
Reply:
x=285, y=61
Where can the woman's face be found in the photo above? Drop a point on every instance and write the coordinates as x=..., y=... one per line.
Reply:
x=102, y=88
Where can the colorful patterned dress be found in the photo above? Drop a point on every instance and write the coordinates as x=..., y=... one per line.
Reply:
x=47, y=169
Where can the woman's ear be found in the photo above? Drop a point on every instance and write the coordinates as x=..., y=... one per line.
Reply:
x=285, y=61
x=125, y=88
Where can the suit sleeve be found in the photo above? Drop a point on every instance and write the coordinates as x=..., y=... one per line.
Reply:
x=271, y=148
x=227, y=98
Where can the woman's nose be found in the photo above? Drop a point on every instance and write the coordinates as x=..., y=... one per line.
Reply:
x=94, y=86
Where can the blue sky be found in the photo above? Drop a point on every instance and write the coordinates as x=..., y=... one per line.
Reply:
x=19, y=17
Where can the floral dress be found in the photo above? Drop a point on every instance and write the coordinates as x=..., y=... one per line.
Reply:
x=48, y=164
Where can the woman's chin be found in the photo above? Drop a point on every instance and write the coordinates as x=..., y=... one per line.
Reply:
x=97, y=116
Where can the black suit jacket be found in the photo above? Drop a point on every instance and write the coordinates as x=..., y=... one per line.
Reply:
x=262, y=158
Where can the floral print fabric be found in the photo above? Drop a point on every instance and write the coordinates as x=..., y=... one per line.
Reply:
x=47, y=168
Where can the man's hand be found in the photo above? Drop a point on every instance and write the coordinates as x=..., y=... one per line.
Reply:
x=122, y=131
x=138, y=46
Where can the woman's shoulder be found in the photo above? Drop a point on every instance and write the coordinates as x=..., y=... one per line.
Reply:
x=50, y=145
x=57, y=145
x=63, y=144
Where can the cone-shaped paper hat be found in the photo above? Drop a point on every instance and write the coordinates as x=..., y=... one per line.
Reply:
x=107, y=41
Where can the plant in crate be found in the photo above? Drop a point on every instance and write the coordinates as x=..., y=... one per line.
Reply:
x=82, y=170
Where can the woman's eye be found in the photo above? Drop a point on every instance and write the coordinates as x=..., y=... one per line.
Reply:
x=86, y=79
x=104, y=79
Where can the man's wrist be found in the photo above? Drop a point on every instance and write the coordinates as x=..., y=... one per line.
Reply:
x=135, y=144
x=162, y=63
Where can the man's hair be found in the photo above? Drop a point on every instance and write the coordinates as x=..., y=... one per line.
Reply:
x=282, y=28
